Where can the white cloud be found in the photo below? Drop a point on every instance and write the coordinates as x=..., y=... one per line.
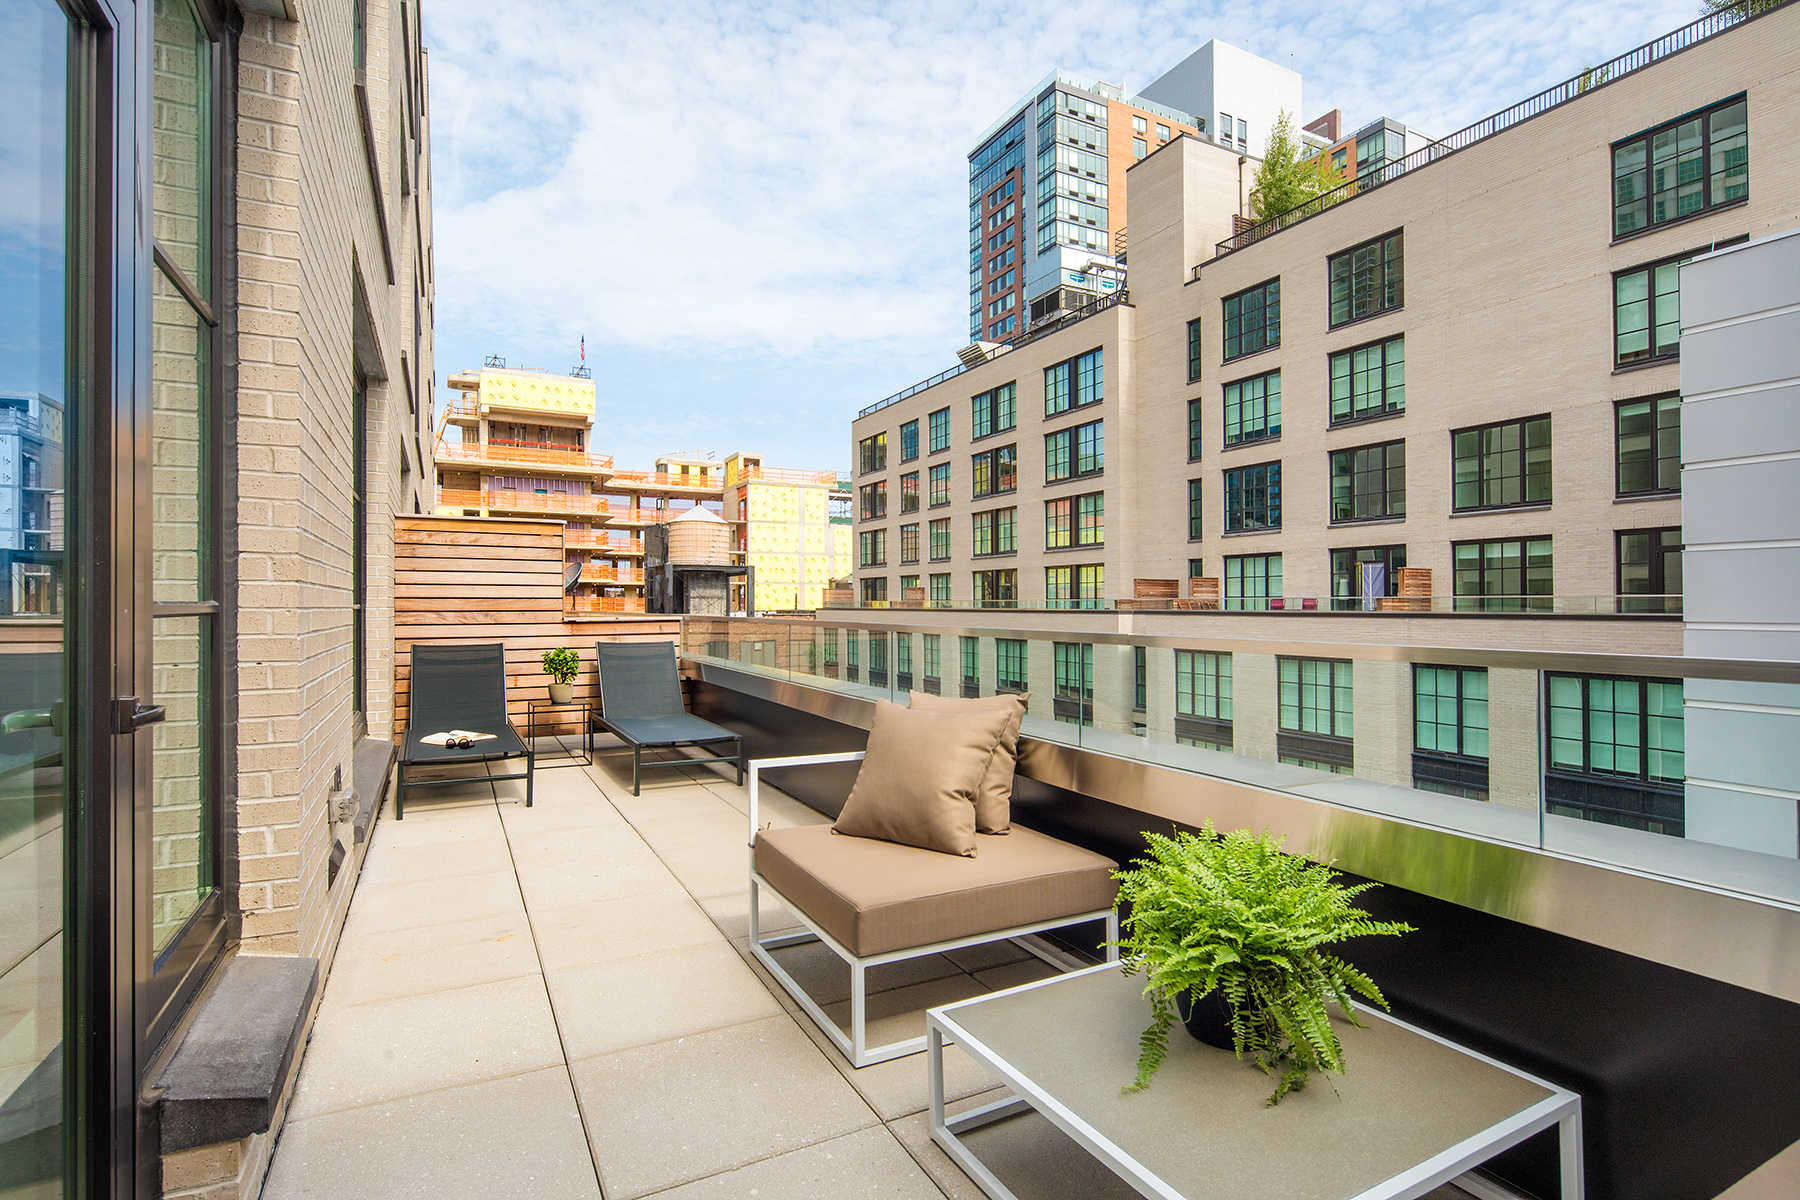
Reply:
x=789, y=180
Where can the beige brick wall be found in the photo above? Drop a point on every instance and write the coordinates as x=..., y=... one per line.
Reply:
x=1508, y=313
x=309, y=237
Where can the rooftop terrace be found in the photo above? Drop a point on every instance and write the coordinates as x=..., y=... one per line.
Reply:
x=559, y=1001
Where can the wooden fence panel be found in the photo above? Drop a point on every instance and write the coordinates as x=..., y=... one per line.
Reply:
x=468, y=580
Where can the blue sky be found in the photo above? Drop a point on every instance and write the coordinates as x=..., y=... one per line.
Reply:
x=757, y=213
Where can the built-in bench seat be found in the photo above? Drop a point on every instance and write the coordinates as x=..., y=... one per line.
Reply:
x=874, y=902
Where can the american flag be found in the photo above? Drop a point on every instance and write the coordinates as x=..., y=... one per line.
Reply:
x=584, y=347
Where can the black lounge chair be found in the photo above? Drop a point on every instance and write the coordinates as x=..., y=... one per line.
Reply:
x=640, y=703
x=459, y=687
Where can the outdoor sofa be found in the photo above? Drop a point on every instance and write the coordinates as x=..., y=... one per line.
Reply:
x=874, y=901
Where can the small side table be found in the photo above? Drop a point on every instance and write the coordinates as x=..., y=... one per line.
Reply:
x=583, y=754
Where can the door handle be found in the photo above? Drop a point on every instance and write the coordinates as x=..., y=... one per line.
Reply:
x=130, y=716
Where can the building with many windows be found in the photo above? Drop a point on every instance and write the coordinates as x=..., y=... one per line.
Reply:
x=1047, y=205
x=519, y=442
x=1458, y=378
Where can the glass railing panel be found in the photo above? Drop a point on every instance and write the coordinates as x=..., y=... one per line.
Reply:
x=1687, y=775
x=1691, y=778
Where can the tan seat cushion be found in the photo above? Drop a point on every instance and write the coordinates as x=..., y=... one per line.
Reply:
x=918, y=780
x=993, y=803
x=879, y=896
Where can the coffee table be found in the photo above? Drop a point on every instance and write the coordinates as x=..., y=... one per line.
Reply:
x=1413, y=1111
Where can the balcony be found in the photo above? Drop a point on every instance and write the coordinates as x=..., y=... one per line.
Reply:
x=501, y=500
x=563, y=993
x=617, y=544
x=665, y=483
x=602, y=573
x=827, y=479
x=540, y=458
x=645, y=516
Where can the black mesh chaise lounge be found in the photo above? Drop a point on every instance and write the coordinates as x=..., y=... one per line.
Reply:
x=459, y=687
x=640, y=703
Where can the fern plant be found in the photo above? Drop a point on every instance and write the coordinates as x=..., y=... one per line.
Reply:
x=1233, y=912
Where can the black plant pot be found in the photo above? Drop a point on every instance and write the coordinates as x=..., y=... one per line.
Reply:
x=1209, y=1019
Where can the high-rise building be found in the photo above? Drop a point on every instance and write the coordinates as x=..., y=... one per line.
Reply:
x=1047, y=204
x=1246, y=93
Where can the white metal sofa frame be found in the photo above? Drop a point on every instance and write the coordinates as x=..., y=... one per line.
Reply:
x=855, y=1047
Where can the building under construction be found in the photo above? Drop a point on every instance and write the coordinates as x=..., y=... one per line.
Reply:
x=519, y=441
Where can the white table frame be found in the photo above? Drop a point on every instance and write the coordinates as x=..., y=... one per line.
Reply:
x=1562, y=1109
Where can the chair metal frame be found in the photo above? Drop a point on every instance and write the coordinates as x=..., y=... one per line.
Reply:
x=638, y=747
x=854, y=1046
x=485, y=759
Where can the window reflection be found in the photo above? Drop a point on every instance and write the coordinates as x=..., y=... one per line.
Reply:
x=33, y=370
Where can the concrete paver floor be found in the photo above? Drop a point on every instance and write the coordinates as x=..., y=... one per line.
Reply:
x=559, y=1002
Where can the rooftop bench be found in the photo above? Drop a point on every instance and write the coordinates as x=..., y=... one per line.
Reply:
x=875, y=902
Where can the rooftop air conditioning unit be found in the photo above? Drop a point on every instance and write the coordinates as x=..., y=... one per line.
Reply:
x=976, y=353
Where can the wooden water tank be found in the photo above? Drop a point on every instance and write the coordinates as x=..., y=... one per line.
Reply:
x=700, y=537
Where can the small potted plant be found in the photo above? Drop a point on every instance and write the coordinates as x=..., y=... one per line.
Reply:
x=1230, y=935
x=562, y=665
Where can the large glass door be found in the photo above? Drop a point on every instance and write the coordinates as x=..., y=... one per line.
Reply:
x=39, y=414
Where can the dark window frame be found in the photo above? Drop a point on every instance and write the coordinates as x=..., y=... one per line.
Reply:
x=1387, y=408
x=1074, y=433
x=1388, y=510
x=1196, y=509
x=913, y=426
x=1196, y=354
x=1523, y=600
x=987, y=405
x=868, y=541
x=1072, y=366
x=931, y=480
x=993, y=461
x=905, y=558
x=933, y=427
x=1641, y=779
x=989, y=585
x=1655, y=402
x=867, y=450
x=1524, y=476
x=1657, y=563
x=1350, y=600
x=1384, y=286
x=1196, y=409
x=873, y=490
x=931, y=531
x=1653, y=354
x=1266, y=342
x=1271, y=498
x=1270, y=432
x=994, y=526
x=1243, y=602
x=1647, y=138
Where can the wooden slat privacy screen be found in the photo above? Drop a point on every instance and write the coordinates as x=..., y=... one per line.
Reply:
x=484, y=579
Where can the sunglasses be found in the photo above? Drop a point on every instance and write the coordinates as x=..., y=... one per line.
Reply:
x=458, y=743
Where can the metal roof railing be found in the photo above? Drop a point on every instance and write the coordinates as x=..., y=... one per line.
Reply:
x=1025, y=337
x=1710, y=25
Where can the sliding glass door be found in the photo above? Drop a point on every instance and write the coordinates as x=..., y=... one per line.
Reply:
x=40, y=414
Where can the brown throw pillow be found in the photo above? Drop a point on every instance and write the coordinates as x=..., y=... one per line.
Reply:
x=993, y=803
x=918, y=780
